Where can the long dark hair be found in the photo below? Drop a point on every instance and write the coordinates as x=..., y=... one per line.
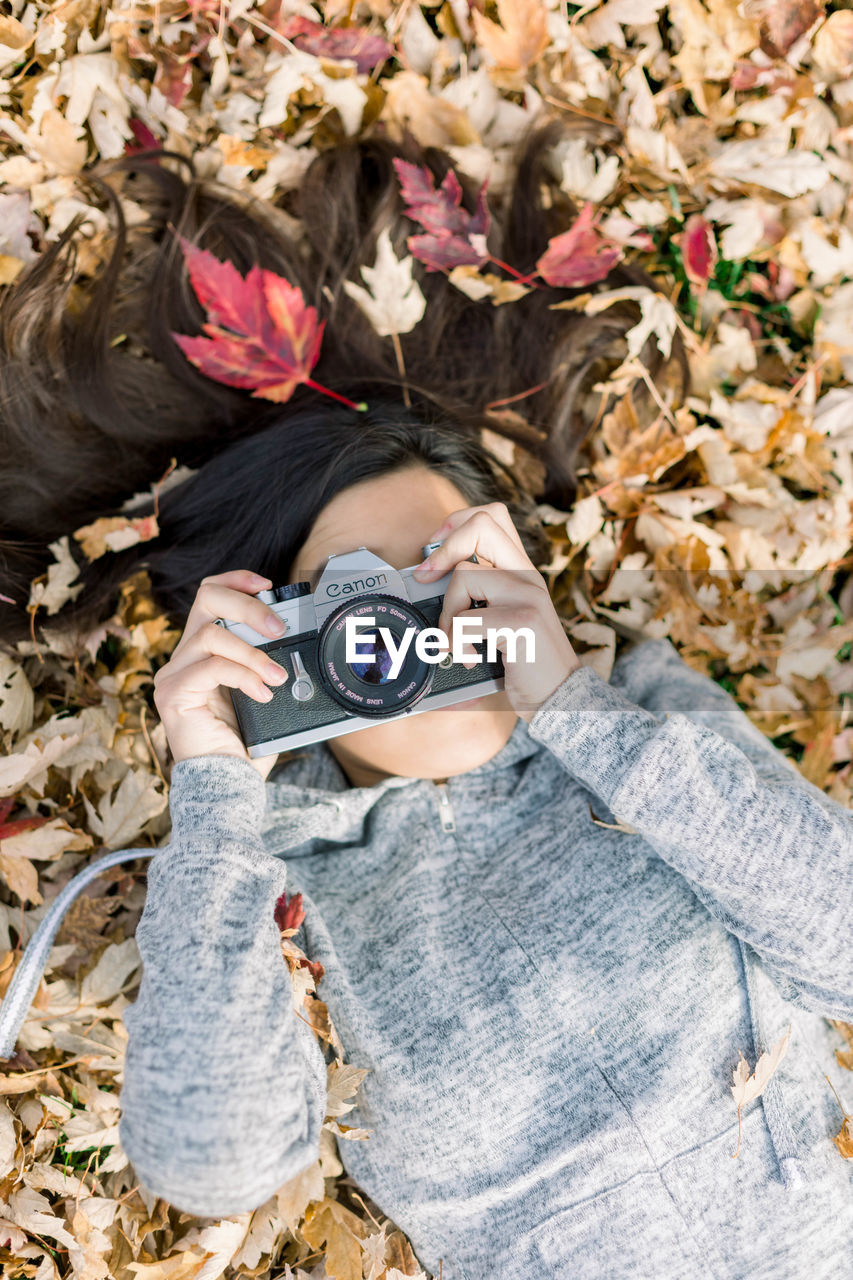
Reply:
x=96, y=397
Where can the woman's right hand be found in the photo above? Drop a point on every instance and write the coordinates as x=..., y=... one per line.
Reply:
x=190, y=690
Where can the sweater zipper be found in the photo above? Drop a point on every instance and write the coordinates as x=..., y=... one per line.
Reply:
x=445, y=808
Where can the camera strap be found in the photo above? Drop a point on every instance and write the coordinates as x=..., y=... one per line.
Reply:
x=25, y=980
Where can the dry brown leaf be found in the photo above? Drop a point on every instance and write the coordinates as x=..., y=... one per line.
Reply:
x=44, y=843
x=115, y=533
x=295, y=1195
x=85, y=920
x=330, y=1225
x=120, y=816
x=522, y=36
x=16, y=697
x=342, y=1082
x=844, y=1138
x=748, y=1086
x=399, y=1255
x=13, y=34
x=52, y=594
x=833, y=45
x=30, y=765
x=844, y=1056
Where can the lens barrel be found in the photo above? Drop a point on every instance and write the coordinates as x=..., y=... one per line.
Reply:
x=366, y=690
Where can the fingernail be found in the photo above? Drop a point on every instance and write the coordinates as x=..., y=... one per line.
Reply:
x=425, y=567
x=275, y=626
x=275, y=672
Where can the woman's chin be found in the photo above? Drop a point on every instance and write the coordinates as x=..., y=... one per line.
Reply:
x=431, y=744
x=455, y=735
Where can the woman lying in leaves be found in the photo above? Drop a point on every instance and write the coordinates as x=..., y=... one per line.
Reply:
x=549, y=921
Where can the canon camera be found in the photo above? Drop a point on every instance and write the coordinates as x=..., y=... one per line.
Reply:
x=362, y=649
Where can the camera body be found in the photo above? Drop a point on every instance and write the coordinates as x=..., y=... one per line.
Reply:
x=326, y=696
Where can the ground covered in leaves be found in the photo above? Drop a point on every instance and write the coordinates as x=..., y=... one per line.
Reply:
x=725, y=525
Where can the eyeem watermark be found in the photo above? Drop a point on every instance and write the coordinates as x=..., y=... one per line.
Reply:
x=431, y=644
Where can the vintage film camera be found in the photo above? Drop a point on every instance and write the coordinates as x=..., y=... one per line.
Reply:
x=326, y=696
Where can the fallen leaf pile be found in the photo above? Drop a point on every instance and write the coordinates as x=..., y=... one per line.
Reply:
x=723, y=523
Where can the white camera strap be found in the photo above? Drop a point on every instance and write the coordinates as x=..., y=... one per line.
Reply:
x=26, y=978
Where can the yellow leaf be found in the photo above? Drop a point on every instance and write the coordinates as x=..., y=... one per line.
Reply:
x=331, y=1224
x=295, y=1195
x=522, y=36
x=10, y=267
x=13, y=34
x=21, y=877
x=844, y=1138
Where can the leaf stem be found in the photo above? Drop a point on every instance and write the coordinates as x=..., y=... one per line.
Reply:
x=512, y=271
x=360, y=408
x=398, y=352
x=493, y=404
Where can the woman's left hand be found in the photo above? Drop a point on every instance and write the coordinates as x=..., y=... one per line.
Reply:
x=516, y=595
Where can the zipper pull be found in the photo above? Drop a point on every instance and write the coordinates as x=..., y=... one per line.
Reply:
x=445, y=808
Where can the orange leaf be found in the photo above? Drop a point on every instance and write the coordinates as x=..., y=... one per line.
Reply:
x=522, y=37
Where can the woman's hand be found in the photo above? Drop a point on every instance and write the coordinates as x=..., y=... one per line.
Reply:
x=196, y=710
x=516, y=595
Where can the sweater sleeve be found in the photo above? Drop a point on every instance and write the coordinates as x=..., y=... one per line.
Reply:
x=766, y=851
x=224, y=1088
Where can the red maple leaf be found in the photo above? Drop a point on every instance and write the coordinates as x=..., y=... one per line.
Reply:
x=143, y=138
x=698, y=249
x=352, y=43
x=455, y=237
x=580, y=255
x=261, y=336
x=289, y=914
x=8, y=829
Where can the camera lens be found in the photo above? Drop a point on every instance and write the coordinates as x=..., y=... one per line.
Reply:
x=366, y=686
x=376, y=663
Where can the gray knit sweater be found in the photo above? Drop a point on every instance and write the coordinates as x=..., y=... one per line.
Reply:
x=550, y=1009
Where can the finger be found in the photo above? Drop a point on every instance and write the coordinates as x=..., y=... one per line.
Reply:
x=500, y=587
x=213, y=639
x=216, y=599
x=509, y=618
x=191, y=687
x=479, y=535
x=497, y=510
